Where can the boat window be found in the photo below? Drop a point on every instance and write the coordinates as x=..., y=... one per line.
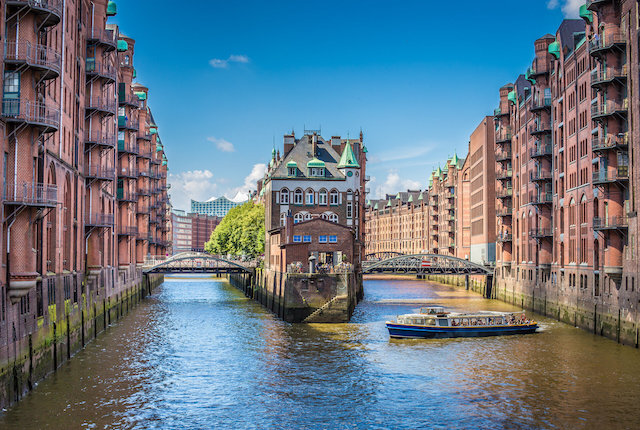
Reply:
x=443, y=322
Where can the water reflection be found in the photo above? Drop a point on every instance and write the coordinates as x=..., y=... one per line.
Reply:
x=198, y=354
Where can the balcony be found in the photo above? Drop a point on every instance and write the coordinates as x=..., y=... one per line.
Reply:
x=126, y=123
x=125, y=195
x=540, y=104
x=102, y=105
x=538, y=70
x=610, y=223
x=128, y=100
x=542, y=199
x=127, y=231
x=99, y=220
x=601, y=144
x=541, y=150
x=541, y=233
x=504, y=237
x=127, y=147
x=502, y=156
x=540, y=127
x=42, y=59
x=540, y=176
x=145, y=135
x=102, y=37
x=506, y=193
x=32, y=113
x=30, y=194
x=610, y=107
x=156, y=161
x=99, y=138
x=503, y=136
x=145, y=154
x=601, y=78
x=497, y=112
x=95, y=69
x=593, y=4
x=504, y=174
x=621, y=174
x=603, y=43
x=98, y=172
x=49, y=10
x=127, y=172
x=142, y=209
x=504, y=211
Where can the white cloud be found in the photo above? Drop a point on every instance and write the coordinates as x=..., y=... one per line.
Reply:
x=192, y=184
x=570, y=8
x=392, y=185
x=220, y=63
x=221, y=144
x=401, y=154
x=239, y=194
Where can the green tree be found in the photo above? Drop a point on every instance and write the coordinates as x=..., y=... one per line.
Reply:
x=240, y=233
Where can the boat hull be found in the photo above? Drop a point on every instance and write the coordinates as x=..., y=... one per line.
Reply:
x=422, y=332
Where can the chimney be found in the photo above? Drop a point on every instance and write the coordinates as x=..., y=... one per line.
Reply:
x=314, y=145
x=288, y=227
x=289, y=143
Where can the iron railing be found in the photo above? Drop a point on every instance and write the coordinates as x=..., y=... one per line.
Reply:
x=34, y=55
x=93, y=67
x=541, y=150
x=30, y=193
x=610, y=142
x=100, y=138
x=103, y=104
x=542, y=198
x=127, y=147
x=30, y=112
x=606, y=41
x=103, y=36
x=609, y=108
x=128, y=230
x=101, y=172
x=51, y=6
x=99, y=220
x=621, y=173
x=612, y=222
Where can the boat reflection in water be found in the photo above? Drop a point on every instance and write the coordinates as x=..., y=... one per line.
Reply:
x=436, y=323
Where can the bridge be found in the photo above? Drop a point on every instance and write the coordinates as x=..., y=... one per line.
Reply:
x=198, y=262
x=422, y=264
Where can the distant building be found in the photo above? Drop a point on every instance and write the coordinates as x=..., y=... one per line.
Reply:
x=216, y=207
x=191, y=230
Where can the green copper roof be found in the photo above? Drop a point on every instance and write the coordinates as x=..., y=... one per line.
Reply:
x=554, y=49
x=164, y=162
x=398, y=196
x=273, y=152
x=135, y=73
x=455, y=160
x=389, y=203
x=153, y=130
x=158, y=147
x=141, y=95
x=420, y=197
x=122, y=45
x=430, y=182
x=376, y=206
x=439, y=172
x=314, y=162
x=364, y=149
x=112, y=8
x=348, y=158
x=586, y=14
x=528, y=77
x=410, y=199
x=512, y=97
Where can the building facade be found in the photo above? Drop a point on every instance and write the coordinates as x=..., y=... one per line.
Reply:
x=191, y=230
x=218, y=207
x=73, y=192
x=565, y=135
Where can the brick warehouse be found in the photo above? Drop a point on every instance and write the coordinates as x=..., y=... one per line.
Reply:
x=84, y=181
x=566, y=132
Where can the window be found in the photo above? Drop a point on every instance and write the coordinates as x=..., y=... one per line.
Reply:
x=322, y=197
x=11, y=94
x=349, y=210
x=292, y=171
x=307, y=216
x=330, y=216
x=322, y=239
x=297, y=238
x=333, y=239
x=284, y=196
x=298, y=218
x=307, y=238
x=283, y=218
x=126, y=59
x=309, y=197
x=297, y=197
x=317, y=172
x=333, y=197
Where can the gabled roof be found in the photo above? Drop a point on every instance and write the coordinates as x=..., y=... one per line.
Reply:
x=348, y=158
x=302, y=154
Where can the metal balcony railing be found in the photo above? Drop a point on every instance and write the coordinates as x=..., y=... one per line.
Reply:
x=127, y=147
x=601, y=76
x=504, y=211
x=541, y=103
x=540, y=127
x=504, y=174
x=504, y=237
x=503, y=136
x=104, y=37
x=610, y=142
x=124, y=122
x=145, y=154
x=30, y=193
x=541, y=175
x=541, y=232
x=126, y=195
x=53, y=7
x=605, y=41
x=128, y=230
x=542, y=199
x=100, y=138
x=34, y=113
x=99, y=220
x=505, y=193
x=503, y=156
x=40, y=57
x=609, y=107
x=97, y=68
x=144, y=135
x=102, y=104
x=621, y=173
x=101, y=172
x=127, y=172
x=610, y=223
x=541, y=150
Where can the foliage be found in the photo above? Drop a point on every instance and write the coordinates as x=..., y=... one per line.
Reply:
x=240, y=233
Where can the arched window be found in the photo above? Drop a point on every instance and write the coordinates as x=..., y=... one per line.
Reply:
x=299, y=217
x=283, y=218
x=322, y=197
x=297, y=196
x=572, y=212
x=307, y=216
x=349, y=194
x=333, y=198
x=284, y=196
x=309, y=197
x=330, y=216
x=583, y=210
x=126, y=60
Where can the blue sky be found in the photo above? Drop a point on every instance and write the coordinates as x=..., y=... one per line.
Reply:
x=228, y=78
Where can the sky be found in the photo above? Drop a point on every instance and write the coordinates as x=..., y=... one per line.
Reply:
x=227, y=79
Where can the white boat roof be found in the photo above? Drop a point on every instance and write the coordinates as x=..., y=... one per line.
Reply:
x=476, y=314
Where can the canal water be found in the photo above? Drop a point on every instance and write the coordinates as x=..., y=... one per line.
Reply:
x=198, y=354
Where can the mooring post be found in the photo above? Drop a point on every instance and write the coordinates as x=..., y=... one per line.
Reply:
x=466, y=282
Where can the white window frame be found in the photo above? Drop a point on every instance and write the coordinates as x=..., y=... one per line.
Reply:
x=334, y=194
x=299, y=217
x=322, y=197
x=298, y=196
x=283, y=219
x=349, y=210
x=284, y=196
x=308, y=197
x=297, y=238
x=306, y=238
x=333, y=238
x=322, y=239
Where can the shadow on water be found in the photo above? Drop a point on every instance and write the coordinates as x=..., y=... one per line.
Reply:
x=198, y=354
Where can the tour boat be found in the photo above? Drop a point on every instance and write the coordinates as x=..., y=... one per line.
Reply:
x=436, y=322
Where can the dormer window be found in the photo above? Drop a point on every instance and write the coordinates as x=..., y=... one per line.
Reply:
x=316, y=168
x=292, y=169
x=317, y=172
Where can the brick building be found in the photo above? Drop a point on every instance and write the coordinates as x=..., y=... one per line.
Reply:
x=75, y=195
x=191, y=230
x=565, y=135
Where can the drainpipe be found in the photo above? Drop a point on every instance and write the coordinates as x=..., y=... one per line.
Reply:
x=9, y=249
x=64, y=21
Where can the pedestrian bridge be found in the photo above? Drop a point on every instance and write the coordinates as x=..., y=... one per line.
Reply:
x=198, y=262
x=422, y=264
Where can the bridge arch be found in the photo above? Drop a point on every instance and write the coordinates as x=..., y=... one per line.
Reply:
x=425, y=264
x=198, y=262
